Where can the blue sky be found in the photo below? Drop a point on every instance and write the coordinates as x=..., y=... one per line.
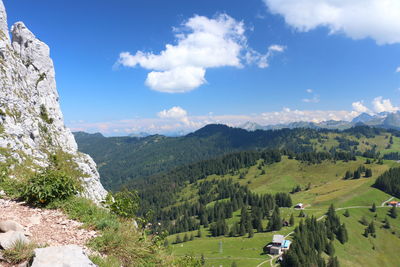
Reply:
x=267, y=61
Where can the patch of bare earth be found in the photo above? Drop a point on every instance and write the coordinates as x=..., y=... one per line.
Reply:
x=45, y=227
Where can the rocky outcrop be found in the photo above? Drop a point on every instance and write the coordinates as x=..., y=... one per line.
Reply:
x=31, y=122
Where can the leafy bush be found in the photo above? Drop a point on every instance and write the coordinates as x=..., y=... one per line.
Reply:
x=43, y=188
x=124, y=203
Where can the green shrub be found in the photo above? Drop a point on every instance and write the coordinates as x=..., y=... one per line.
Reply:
x=124, y=203
x=44, y=115
x=51, y=185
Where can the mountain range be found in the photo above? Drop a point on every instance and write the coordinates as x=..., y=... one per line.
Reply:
x=387, y=120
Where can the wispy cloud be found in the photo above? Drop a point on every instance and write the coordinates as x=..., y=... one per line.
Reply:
x=168, y=122
x=177, y=119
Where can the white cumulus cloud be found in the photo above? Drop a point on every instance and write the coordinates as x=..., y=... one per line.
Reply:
x=201, y=43
x=359, y=107
x=398, y=69
x=358, y=19
x=383, y=105
x=173, y=113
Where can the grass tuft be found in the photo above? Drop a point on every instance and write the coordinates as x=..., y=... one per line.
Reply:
x=20, y=252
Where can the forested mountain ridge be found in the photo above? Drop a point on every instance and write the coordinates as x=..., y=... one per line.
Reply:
x=121, y=159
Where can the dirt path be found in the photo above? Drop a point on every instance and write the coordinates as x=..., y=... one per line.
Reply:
x=384, y=202
x=45, y=227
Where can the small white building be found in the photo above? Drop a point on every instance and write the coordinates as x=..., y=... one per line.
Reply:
x=299, y=206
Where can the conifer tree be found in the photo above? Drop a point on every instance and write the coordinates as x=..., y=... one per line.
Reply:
x=302, y=214
x=386, y=223
x=342, y=235
x=202, y=260
x=333, y=262
x=393, y=212
x=371, y=228
x=373, y=208
x=291, y=220
x=275, y=223
x=346, y=213
x=330, y=249
x=251, y=233
x=199, y=233
x=178, y=239
x=348, y=175
x=185, y=238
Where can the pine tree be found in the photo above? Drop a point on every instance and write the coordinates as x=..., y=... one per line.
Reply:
x=242, y=230
x=333, y=262
x=234, y=264
x=275, y=223
x=330, y=249
x=373, y=208
x=178, y=239
x=356, y=174
x=342, y=235
x=185, y=238
x=291, y=220
x=368, y=173
x=386, y=223
x=199, y=233
x=366, y=232
x=371, y=228
x=251, y=233
x=348, y=175
x=202, y=260
x=302, y=214
x=393, y=212
x=191, y=237
x=346, y=213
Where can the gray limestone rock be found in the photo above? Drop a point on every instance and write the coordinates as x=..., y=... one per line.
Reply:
x=8, y=240
x=8, y=225
x=62, y=256
x=31, y=122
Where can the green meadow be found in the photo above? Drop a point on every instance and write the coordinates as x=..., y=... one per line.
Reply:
x=322, y=185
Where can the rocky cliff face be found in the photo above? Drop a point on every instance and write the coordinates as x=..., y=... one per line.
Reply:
x=32, y=128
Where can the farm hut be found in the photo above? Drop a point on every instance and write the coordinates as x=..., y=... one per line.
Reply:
x=278, y=240
x=299, y=206
x=275, y=250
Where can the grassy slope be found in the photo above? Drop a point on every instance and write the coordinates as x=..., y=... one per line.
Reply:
x=327, y=186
